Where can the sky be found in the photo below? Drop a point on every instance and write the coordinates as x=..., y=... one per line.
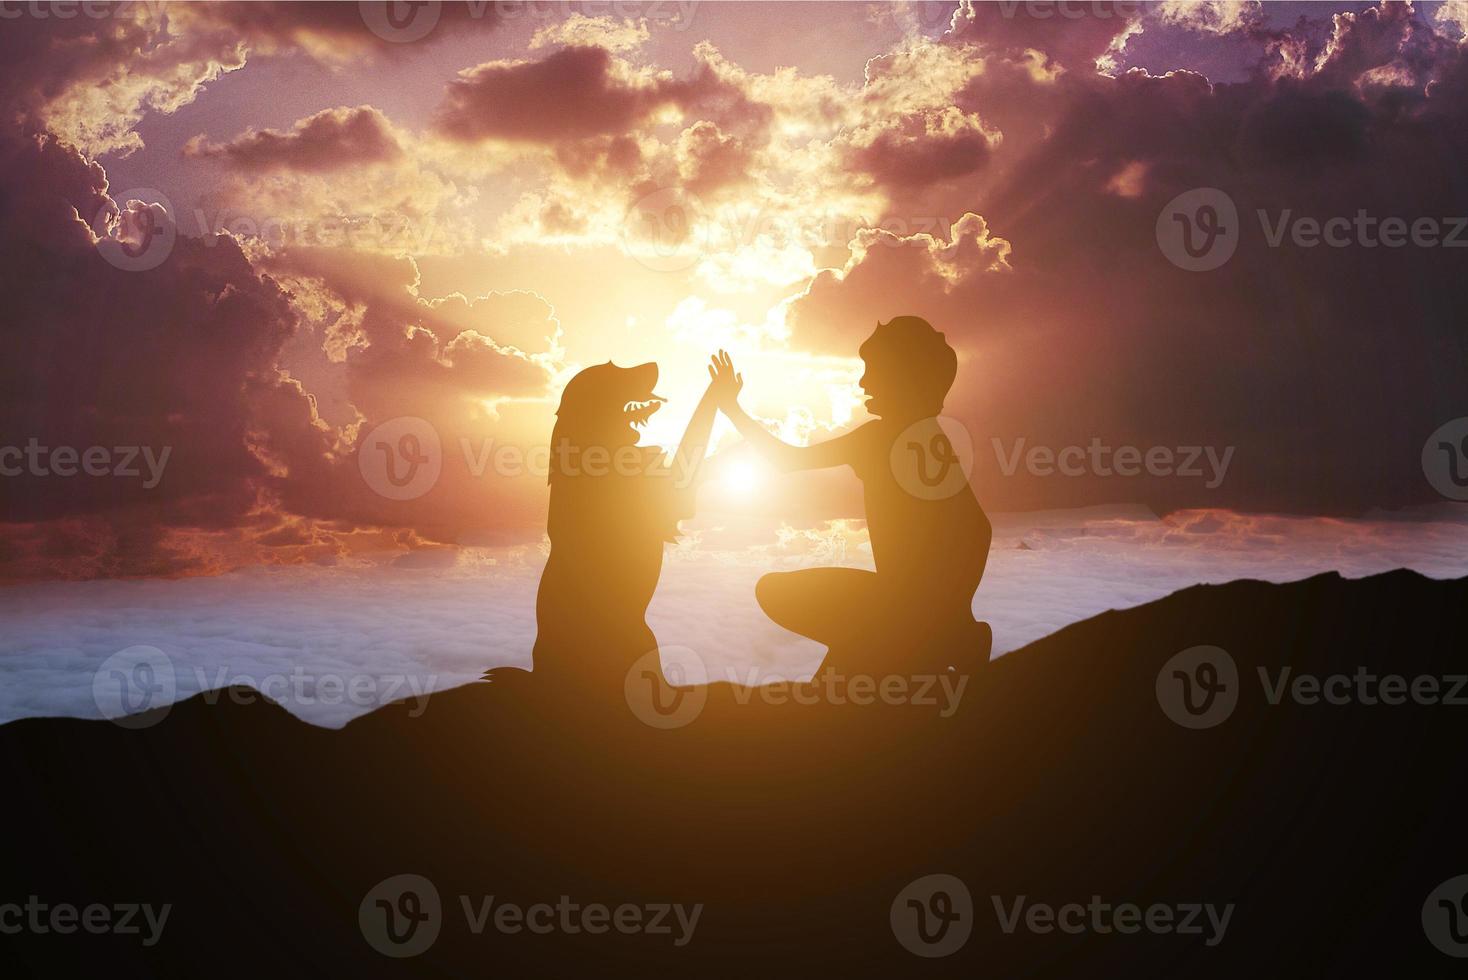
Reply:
x=242, y=243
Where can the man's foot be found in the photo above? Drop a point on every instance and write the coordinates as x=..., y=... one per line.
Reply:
x=507, y=676
x=983, y=641
x=968, y=648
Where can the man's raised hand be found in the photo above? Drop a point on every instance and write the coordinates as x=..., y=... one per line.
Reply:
x=724, y=381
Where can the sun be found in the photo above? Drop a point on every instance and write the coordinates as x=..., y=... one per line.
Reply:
x=743, y=477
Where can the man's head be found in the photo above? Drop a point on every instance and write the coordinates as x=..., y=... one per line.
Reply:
x=909, y=369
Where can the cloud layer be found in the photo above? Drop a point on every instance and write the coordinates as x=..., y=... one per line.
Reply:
x=331, y=649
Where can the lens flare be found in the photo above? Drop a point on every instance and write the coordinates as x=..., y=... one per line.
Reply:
x=744, y=477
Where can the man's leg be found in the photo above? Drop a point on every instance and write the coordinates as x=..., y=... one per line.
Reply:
x=828, y=605
x=870, y=627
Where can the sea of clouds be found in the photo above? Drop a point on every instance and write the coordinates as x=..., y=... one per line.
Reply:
x=332, y=643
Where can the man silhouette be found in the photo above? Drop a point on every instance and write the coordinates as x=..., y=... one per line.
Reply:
x=929, y=536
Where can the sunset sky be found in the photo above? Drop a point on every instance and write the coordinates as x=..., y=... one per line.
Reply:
x=351, y=228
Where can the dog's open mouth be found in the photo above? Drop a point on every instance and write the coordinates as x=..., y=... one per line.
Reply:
x=637, y=413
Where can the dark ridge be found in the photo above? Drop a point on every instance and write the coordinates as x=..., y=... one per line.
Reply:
x=1058, y=777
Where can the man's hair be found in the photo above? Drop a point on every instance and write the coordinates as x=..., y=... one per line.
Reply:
x=923, y=352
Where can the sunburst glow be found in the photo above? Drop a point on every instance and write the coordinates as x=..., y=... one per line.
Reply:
x=744, y=477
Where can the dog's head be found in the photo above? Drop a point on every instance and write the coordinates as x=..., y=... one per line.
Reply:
x=603, y=406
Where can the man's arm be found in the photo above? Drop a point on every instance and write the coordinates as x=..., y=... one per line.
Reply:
x=726, y=386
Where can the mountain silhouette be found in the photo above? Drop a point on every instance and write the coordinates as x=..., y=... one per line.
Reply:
x=1060, y=777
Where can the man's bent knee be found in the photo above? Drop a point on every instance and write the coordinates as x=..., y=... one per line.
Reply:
x=769, y=592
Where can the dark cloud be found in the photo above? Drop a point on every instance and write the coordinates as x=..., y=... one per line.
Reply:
x=922, y=148
x=617, y=156
x=585, y=92
x=175, y=375
x=333, y=139
x=572, y=93
x=334, y=29
x=445, y=361
x=90, y=76
x=1073, y=34
x=1326, y=367
x=710, y=160
x=176, y=359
